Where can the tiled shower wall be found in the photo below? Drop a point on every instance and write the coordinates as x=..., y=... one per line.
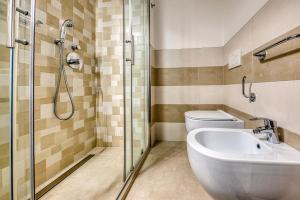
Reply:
x=61, y=143
x=109, y=55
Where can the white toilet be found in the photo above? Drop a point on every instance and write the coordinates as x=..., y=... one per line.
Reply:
x=211, y=119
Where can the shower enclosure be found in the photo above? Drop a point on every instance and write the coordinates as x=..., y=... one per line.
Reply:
x=35, y=146
x=136, y=81
x=16, y=99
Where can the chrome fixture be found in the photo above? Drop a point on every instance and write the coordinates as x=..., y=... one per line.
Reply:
x=38, y=22
x=31, y=94
x=11, y=8
x=67, y=23
x=75, y=47
x=261, y=55
x=251, y=96
x=60, y=42
x=132, y=59
x=24, y=12
x=22, y=41
x=269, y=128
x=74, y=61
x=152, y=5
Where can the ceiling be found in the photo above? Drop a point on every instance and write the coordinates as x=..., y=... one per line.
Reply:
x=200, y=23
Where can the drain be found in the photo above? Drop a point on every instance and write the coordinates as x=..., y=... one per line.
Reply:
x=258, y=146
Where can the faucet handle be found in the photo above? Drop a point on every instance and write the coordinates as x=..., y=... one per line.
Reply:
x=269, y=123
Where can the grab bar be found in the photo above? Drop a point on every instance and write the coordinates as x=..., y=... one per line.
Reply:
x=251, y=96
x=261, y=55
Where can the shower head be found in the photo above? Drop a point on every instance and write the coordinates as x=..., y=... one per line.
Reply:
x=67, y=23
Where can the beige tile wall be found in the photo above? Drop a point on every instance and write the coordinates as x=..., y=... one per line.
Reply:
x=183, y=80
x=109, y=54
x=61, y=143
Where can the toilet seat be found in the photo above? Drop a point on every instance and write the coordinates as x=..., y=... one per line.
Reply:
x=211, y=119
x=209, y=115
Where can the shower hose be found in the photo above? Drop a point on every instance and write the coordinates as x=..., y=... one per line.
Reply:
x=62, y=74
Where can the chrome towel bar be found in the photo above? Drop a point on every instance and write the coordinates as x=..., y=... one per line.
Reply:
x=261, y=55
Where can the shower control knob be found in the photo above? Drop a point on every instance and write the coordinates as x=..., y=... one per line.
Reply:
x=75, y=47
x=74, y=61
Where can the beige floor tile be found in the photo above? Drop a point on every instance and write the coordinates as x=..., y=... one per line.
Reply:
x=166, y=175
x=98, y=179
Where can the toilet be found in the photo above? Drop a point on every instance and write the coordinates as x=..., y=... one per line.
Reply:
x=211, y=119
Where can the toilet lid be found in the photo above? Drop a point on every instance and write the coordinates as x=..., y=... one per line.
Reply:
x=209, y=115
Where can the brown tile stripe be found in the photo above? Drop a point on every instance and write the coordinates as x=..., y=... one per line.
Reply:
x=62, y=177
x=284, y=66
x=175, y=112
x=286, y=136
x=187, y=76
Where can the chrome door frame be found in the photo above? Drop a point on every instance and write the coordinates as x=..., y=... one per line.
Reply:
x=31, y=91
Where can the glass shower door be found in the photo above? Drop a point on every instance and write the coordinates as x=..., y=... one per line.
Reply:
x=5, y=107
x=15, y=81
x=140, y=71
x=136, y=80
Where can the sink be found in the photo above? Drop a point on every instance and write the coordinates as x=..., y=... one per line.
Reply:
x=232, y=142
x=233, y=164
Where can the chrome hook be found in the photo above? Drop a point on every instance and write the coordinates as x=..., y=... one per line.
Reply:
x=251, y=96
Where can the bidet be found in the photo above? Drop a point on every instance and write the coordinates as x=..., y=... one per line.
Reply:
x=233, y=164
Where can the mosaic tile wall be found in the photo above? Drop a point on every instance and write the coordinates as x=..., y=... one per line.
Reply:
x=61, y=143
x=109, y=54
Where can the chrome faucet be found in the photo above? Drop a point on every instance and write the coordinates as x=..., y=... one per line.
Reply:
x=269, y=128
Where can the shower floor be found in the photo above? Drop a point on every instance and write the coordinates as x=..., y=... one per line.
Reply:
x=99, y=178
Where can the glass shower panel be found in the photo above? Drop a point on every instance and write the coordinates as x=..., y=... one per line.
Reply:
x=139, y=77
x=21, y=103
x=5, y=99
x=136, y=80
x=127, y=88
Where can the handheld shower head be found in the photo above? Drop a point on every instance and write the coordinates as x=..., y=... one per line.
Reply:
x=67, y=23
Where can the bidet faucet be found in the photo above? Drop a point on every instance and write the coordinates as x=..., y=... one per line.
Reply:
x=269, y=128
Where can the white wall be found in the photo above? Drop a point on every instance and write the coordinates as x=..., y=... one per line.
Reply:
x=236, y=13
x=187, y=24
x=179, y=24
x=276, y=100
